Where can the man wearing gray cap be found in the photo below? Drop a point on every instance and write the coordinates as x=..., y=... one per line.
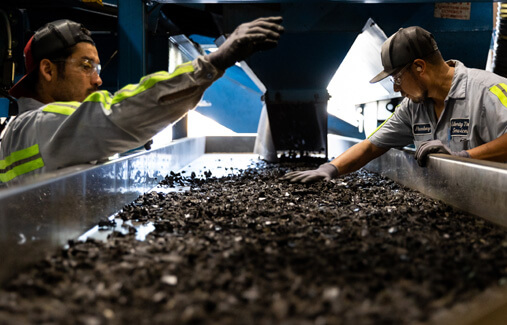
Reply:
x=448, y=108
x=64, y=120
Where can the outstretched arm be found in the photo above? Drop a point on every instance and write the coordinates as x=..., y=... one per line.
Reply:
x=357, y=156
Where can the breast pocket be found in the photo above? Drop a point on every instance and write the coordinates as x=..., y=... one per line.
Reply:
x=458, y=134
x=458, y=143
x=422, y=132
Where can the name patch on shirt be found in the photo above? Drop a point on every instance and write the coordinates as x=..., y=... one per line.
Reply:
x=459, y=127
x=422, y=128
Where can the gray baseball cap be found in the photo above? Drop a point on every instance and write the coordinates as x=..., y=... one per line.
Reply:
x=403, y=47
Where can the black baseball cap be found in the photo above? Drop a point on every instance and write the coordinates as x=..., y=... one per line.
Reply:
x=403, y=47
x=49, y=39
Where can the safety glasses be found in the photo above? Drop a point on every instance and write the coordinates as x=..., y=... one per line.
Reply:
x=88, y=66
x=396, y=79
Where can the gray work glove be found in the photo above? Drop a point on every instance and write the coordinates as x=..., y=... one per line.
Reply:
x=435, y=146
x=325, y=171
x=248, y=38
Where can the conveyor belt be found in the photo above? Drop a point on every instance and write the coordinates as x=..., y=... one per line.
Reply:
x=218, y=164
x=40, y=217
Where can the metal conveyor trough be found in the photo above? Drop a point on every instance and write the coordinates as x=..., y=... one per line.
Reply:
x=39, y=218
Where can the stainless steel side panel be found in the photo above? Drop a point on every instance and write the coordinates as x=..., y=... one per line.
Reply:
x=476, y=187
x=38, y=218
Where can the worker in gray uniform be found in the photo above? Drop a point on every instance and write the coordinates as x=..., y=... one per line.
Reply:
x=63, y=118
x=448, y=108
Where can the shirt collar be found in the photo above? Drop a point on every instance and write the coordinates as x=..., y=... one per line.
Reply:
x=26, y=104
x=459, y=80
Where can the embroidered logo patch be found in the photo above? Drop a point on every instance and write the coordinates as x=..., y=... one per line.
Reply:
x=459, y=127
x=422, y=128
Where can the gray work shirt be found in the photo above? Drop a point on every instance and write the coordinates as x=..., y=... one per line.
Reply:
x=46, y=138
x=475, y=112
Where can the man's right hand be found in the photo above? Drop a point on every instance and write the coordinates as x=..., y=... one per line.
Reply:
x=324, y=172
x=435, y=146
x=248, y=38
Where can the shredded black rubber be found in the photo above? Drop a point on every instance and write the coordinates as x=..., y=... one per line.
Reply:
x=251, y=249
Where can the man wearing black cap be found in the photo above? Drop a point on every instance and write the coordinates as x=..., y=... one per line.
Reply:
x=64, y=120
x=448, y=108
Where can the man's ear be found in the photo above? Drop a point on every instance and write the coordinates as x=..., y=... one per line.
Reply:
x=47, y=69
x=420, y=65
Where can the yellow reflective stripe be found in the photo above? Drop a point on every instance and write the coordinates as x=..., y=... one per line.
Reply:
x=65, y=109
x=20, y=162
x=131, y=90
x=19, y=155
x=381, y=125
x=150, y=81
x=21, y=169
x=500, y=91
x=100, y=97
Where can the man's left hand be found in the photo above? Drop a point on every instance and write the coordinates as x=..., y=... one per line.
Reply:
x=248, y=38
x=435, y=146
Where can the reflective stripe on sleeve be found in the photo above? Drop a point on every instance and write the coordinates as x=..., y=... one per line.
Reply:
x=381, y=125
x=100, y=97
x=133, y=89
x=60, y=108
x=500, y=91
x=20, y=162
